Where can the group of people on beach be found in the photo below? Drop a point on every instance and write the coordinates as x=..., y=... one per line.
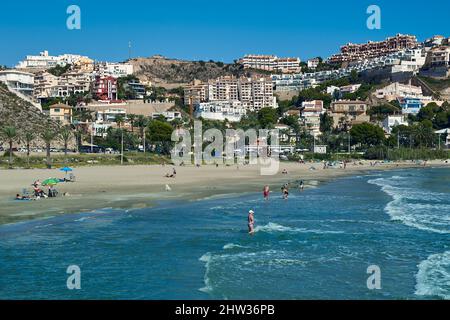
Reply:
x=38, y=191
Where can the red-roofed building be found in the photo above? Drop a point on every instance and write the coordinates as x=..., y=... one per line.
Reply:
x=105, y=88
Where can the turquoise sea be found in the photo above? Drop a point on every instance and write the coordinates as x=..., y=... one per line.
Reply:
x=317, y=244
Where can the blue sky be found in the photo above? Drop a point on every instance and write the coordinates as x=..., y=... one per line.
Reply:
x=208, y=29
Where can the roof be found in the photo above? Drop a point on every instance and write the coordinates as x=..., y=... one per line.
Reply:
x=60, y=106
x=349, y=101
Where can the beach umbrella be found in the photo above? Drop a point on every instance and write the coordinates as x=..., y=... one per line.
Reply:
x=66, y=169
x=50, y=182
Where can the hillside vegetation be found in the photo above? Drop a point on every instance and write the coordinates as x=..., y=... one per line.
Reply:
x=166, y=71
x=22, y=115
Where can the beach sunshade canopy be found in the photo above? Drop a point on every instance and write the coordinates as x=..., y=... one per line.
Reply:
x=50, y=182
x=66, y=169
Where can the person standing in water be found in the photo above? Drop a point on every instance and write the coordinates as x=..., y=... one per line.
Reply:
x=266, y=192
x=251, y=222
x=302, y=185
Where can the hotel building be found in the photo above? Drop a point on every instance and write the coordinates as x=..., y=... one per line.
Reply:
x=271, y=63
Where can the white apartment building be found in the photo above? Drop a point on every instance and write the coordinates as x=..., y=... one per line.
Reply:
x=352, y=88
x=73, y=83
x=392, y=121
x=110, y=115
x=398, y=90
x=271, y=63
x=254, y=93
x=439, y=57
x=18, y=81
x=292, y=82
x=168, y=115
x=313, y=63
x=257, y=93
x=50, y=86
x=45, y=85
x=115, y=70
x=46, y=61
x=220, y=110
x=310, y=114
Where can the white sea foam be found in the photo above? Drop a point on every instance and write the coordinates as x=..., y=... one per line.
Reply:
x=418, y=208
x=232, y=246
x=274, y=227
x=206, y=258
x=433, y=278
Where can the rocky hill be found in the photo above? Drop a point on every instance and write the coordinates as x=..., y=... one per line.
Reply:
x=22, y=115
x=166, y=72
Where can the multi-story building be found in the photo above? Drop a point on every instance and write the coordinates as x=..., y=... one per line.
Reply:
x=254, y=93
x=73, y=83
x=348, y=113
x=137, y=87
x=223, y=88
x=359, y=52
x=45, y=85
x=46, y=61
x=398, y=90
x=110, y=115
x=61, y=113
x=310, y=114
x=195, y=93
x=410, y=105
x=220, y=110
x=48, y=85
x=84, y=65
x=18, y=81
x=340, y=91
x=439, y=57
x=313, y=63
x=292, y=82
x=105, y=88
x=271, y=63
x=392, y=121
x=115, y=70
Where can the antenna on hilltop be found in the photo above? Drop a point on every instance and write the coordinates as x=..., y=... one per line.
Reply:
x=129, y=50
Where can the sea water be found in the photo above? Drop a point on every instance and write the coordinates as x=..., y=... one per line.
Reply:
x=318, y=244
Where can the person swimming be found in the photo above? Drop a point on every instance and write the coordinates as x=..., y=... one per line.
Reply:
x=251, y=222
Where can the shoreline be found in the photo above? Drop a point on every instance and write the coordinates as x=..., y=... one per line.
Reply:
x=142, y=186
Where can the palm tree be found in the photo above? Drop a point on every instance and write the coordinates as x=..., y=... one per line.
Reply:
x=132, y=118
x=120, y=120
x=28, y=138
x=48, y=135
x=65, y=134
x=141, y=123
x=10, y=133
x=78, y=137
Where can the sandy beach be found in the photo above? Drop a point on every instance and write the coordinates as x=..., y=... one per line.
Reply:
x=142, y=186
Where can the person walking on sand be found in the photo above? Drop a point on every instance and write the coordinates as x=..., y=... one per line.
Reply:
x=266, y=192
x=251, y=222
